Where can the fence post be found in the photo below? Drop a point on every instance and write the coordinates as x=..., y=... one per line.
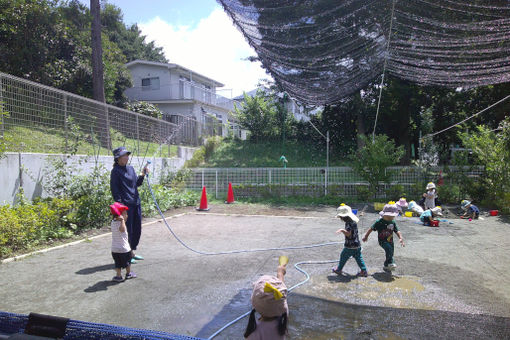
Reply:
x=65, y=123
x=2, y=104
x=269, y=178
x=137, y=137
x=108, y=139
x=202, y=178
x=216, y=184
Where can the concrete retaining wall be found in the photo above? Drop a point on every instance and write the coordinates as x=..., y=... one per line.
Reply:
x=28, y=170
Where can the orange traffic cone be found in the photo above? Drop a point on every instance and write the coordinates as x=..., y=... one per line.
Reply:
x=230, y=194
x=203, y=201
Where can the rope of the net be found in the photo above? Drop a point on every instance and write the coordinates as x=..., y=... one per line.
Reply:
x=384, y=69
x=466, y=119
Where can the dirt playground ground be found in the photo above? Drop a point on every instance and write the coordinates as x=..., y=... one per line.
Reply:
x=452, y=282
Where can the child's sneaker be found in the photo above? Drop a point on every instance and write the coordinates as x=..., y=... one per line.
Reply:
x=131, y=275
x=117, y=279
x=336, y=271
x=363, y=273
x=392, y=266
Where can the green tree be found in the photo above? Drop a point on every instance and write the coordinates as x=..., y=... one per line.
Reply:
x=374, y=157
x=129, y=39
x=492, y=149
x=256, y=114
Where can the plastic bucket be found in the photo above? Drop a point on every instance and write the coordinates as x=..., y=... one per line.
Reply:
x=379, y=206
x=355, y=211
x=493, y=212
x=408, y=214
x=434, y=223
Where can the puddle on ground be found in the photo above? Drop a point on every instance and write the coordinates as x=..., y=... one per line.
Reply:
x=380, y=289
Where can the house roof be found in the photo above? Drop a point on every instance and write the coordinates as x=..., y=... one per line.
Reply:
x=172, y=66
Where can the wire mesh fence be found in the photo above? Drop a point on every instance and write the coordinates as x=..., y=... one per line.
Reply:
x=44, y=119
x=312, y=182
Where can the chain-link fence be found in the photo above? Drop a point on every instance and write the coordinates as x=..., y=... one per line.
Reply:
x=311, y=182
x=45, y=119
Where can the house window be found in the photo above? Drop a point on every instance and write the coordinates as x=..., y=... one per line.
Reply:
x=150, y=84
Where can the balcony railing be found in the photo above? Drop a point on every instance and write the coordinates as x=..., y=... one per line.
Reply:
x=182, y=90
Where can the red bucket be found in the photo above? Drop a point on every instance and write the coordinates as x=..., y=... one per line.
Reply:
x=494, y=212
x=434, y=223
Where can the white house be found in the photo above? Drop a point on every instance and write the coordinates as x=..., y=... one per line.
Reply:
x=180, y=92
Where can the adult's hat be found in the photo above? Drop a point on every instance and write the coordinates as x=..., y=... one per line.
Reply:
x=117, y=208
x=120, y=151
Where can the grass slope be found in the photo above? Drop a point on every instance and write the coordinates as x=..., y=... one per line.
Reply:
x=237, y=153
x=46, y=140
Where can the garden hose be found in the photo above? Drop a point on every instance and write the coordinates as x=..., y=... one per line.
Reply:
x=297, y=265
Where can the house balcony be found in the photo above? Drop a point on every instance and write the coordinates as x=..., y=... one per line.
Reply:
x=179, y=92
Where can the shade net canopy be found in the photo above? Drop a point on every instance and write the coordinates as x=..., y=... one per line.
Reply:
x=320, y=51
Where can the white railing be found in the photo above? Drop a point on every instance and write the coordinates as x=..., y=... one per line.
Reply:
x=341, y=181
x=182, y=90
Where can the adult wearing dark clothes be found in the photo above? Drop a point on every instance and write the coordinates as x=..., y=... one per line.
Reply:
x=124, y=185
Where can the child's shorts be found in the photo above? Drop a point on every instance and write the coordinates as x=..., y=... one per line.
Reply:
x=122, y=260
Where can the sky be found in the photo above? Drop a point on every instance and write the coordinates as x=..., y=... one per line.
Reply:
x=198, y=35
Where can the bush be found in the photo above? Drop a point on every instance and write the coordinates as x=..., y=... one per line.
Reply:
x=374, y=157
x=204, y=153
x=166, y=198
x=27, y=225
x=394, y=192
x=450, y=193
x=92, y=195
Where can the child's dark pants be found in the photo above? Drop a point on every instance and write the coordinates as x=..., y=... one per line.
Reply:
x=388, y=249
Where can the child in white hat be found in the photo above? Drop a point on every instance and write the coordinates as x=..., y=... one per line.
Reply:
x=430, y=197
x=352, y=245
x=269, y=299
x=385, y=227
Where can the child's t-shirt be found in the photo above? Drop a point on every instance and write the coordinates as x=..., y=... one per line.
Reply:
x=120, y=243
x=266, y=330
x=473, y=209
x=425, y=216
x=353, y=240
x=385, y=229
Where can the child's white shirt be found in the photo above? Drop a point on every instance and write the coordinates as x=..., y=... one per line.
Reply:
x=430, y=199
x=120, y=243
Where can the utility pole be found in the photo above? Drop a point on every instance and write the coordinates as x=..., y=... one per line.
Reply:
x=97, y=52
x=327, y=164
x=102, y=121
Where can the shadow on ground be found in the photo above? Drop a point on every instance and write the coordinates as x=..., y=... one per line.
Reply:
x=92, y=270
